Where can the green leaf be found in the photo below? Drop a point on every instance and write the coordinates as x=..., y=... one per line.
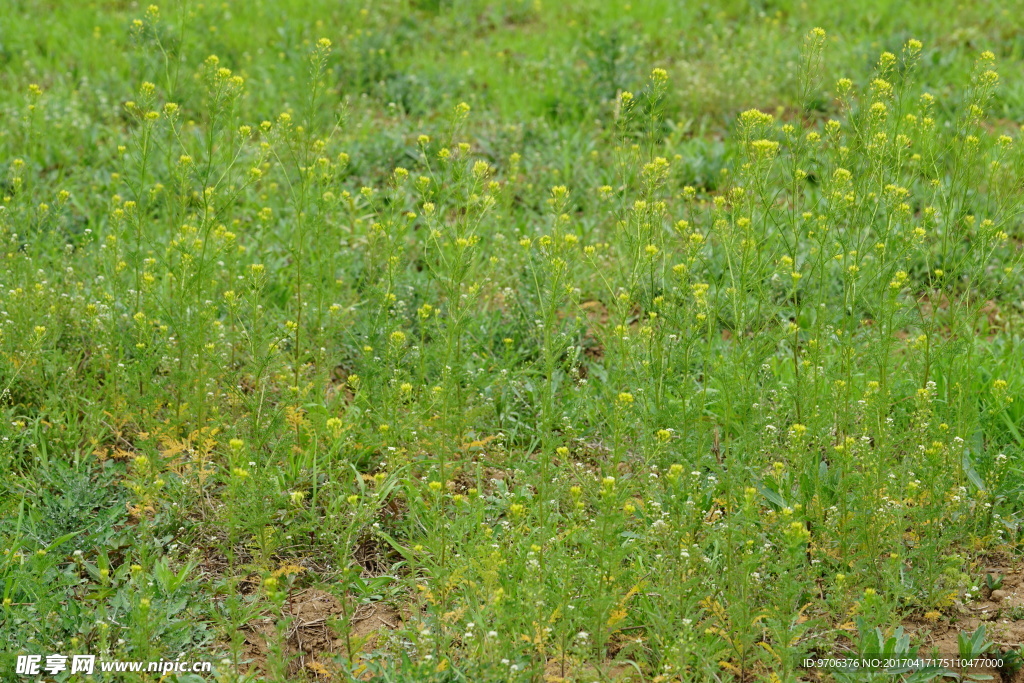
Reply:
x=774, y=497
x=1013, y=428
x=972, y=474
x=401, y=550
x=63, y=539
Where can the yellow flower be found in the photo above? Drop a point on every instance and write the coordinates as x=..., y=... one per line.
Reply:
x=764, y=149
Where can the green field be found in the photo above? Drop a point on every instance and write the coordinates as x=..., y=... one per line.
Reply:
x=508, y=340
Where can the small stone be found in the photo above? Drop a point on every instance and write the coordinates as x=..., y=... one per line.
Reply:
x=997, y=596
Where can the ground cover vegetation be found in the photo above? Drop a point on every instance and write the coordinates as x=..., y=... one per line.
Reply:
x=507, y=340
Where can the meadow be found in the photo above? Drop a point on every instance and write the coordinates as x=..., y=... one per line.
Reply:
x=512, y=340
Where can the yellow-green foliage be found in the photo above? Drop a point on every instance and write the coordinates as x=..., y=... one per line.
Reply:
x=557, y=335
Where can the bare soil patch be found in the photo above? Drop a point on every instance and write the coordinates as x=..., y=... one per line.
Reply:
x=311, y=640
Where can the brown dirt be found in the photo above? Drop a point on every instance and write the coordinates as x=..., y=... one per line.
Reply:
x=597, y=316
x=595, y=311
x=613, y=672
x=372, y=555
x=463, y=479
x=372, y=620
x=1003, y=618
x=310, y=641
x=582, y=450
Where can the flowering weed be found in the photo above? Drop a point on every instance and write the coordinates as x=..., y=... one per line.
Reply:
x=667, y=343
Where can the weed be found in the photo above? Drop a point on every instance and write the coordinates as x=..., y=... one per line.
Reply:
x=566, y=341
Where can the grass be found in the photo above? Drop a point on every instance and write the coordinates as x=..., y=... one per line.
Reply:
x=507, y=341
